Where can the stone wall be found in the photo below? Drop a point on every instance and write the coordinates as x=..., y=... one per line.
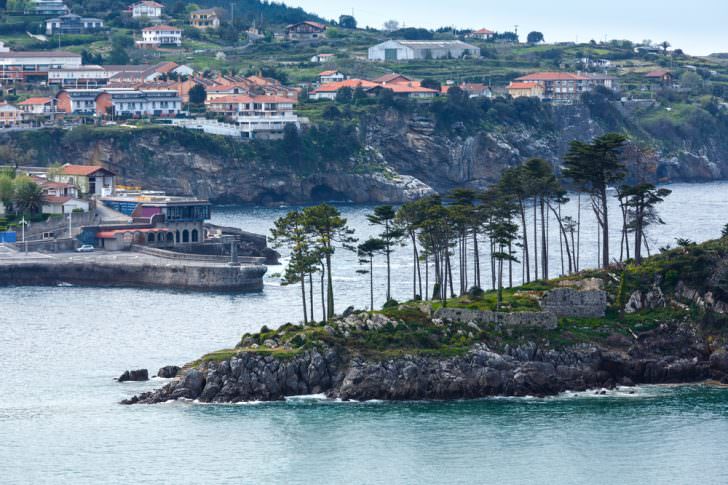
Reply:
x=198, y=277
x=516, y=319
x=568, y=302
x=163, y=253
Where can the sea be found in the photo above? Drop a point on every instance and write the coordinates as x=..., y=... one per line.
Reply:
x=61, y=421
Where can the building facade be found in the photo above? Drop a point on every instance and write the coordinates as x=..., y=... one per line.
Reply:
x=73, y=24
x=49, y=7
x=260, y=117
x=89, y=76
x=151, y=10
x=481, y=34
x=207, y=18
x=160, y=36
x=9, y=115
x=307, y=30
x=406, y=50
x=89, y=180
x=16, y=66
x=37, y=106
x=559, y=86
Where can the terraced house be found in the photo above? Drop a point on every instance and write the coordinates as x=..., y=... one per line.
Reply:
x=558, y=86
x=73, y=24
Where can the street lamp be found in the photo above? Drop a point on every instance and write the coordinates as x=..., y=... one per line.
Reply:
x=23, y=222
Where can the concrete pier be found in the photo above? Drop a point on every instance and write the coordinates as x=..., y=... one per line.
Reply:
x=126, y=269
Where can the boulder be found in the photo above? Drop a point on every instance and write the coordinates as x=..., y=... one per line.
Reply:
x=134, y=375
x=168, y=371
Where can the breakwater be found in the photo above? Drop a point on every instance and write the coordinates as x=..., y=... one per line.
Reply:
x=126, y=270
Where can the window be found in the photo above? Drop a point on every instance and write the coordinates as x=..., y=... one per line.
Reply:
x=390, y=54
x=185, y=236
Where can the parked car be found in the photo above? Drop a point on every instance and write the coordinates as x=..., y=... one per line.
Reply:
x=85, y=248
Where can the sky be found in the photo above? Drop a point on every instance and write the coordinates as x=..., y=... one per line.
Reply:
x=699, y=27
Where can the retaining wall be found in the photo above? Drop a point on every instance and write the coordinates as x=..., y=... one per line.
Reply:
x=568, y=302
x=516, y=319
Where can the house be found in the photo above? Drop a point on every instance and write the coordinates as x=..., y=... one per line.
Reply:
x=263, y=117
x=73, y=24
x=525, y=90
x=330, y=77
x=183, y=70
x=89, y=76
x=206, y=18
x=323, y=58
x=604, y=80
x=9, y=115
x=37, y=106
x=405, y=50
x=27, y=65
x=120, y=102
x=559, y=86
x=482, y=34
x=406, y=90
x=474, y=90
x=57, y=189
x=142, y=73
x=329, y=90
x=661, y=76
x=151, y=10
x=60, y=204
x=89, y=180
x=160, y=36
x=49, y=7
x=307, y=30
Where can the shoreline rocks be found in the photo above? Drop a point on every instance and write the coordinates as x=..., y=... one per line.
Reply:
x=134, y=375
x=660, y=356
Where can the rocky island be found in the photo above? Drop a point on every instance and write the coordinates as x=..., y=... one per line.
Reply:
x=661, y=322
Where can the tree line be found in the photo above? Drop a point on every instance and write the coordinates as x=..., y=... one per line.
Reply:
x=506, y=225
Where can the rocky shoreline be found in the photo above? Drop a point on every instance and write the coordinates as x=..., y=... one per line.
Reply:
x=668, y=354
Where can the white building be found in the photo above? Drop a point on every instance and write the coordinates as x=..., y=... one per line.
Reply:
x=257, y=116
x=50, y=7
x=152, y=10
x=405, y=50
x=119, y=102
x=87, y=76
x=29, y=64
x=330, y=77
x=160, y=35
x=58, y=205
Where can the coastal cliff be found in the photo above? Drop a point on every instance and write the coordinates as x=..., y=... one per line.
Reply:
x=384, y=155
x=663, y=322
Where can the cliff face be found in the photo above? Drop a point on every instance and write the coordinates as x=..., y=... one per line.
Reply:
x=403, y=156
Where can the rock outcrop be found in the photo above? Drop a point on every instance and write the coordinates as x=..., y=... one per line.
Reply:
x=668, y=354
x=134, y=375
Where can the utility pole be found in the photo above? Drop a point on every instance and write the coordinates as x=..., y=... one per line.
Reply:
x=70, y=225
x=23, y=222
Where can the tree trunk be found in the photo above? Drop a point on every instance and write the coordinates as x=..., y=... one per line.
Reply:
x=330, y=287
x=526, y=260
x=535, y=239
x=605, y=228
x=303, y=297
x=323, y=289
x=371, y=282
x=310, y=295
x=544, y=250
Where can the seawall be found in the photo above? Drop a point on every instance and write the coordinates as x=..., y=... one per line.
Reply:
x=195, y=276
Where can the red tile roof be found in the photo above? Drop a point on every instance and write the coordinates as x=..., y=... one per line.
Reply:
x=32, y=101
x=147, y=3
x=401, y=88
x=328, y=73
x=54, y=199
x=484, y=32
x=658, y=73
x=162, y=28
x=552, y=76
x=243, y=98
x=349, y=83
x=83, y=170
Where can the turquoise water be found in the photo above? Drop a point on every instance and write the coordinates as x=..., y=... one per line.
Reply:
x=60, y=422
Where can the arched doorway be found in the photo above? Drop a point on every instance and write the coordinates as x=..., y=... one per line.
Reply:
x=150, y=237
x=176, y=239
x=170, y=237
x=160, y=237
x=185, y=236
x=195, y=235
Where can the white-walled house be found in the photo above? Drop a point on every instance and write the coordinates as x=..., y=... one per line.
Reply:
x=405, y=50
x=332, y=76
x=57, y=205
x=152, y=10
x=160, y=35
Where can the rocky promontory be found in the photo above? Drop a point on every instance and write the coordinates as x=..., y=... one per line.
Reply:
x=665, y=321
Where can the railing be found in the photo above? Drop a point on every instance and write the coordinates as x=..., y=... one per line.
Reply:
x=163, y=253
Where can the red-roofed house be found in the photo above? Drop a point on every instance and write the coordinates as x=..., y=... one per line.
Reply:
x=88, y=179
x=662, y=76
x=55, y=204
x=306, y=30
x=559, y=86
x=36, y=106
x=407, y=90
x=392, y=78
x=482, y=34
x=160, y=35
x=330, y=77
x=329, y=90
